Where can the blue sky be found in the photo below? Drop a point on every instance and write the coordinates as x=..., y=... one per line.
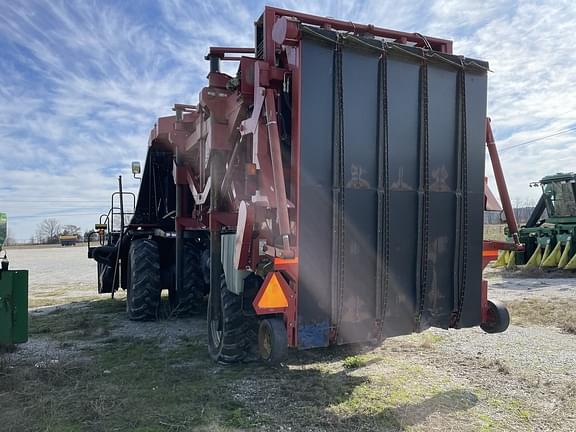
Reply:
x=82, y=82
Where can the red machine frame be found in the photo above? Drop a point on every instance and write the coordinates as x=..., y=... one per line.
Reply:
x=491, y=248
x=198, y=138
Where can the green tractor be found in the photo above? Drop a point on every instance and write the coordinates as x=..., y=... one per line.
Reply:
x=549, y=235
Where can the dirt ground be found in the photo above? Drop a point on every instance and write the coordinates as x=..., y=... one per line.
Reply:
x=87, y=368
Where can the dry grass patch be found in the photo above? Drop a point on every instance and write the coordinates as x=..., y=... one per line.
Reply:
x=494, y=232
x=96, y=382
x=554, y=312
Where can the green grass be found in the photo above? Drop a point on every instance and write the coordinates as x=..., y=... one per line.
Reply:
x=353, y=362
x=130, y=385
x=76, y=321
x=116, y=383
x=402, y=396
x=514, y=406
x=101, y=380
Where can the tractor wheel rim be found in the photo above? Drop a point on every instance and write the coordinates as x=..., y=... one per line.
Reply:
x=265, y=344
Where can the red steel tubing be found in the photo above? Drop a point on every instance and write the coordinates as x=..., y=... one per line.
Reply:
x=278, y=172
x=442, y=45
x=501, y=183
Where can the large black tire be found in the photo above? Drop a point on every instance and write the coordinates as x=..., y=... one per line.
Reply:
x=189, y=298
x=226, y=326
x=498, y=318
x=144, y=289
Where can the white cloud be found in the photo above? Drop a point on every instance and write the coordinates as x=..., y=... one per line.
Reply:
x=81, y=83
x=531, y=94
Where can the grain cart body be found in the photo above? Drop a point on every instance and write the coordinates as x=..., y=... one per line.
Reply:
x=331, y=192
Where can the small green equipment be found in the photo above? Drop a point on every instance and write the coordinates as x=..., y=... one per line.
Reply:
x=13, y=298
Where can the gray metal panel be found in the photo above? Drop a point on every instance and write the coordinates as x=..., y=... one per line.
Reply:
x=476, y=95
x=315, y=237
x=403, y=127
x=360, y=97
x=403, y=137
x=443, y=142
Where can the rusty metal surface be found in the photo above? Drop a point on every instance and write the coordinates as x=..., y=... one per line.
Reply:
x=272, y=14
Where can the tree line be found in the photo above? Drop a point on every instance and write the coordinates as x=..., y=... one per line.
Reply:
x=49, y=231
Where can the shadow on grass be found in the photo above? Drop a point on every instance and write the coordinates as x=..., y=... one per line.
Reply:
x=443, y=403
x=128, y=383
x=394, y=418
x=313, y=399
x=329, y=354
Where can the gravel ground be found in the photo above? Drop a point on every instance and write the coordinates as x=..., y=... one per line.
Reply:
x=507, y=285
x=524, y=379
x=540, y=350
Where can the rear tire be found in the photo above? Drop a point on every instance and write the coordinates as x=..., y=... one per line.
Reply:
x=144, y=290
x=189, y=299
x=226, y=326
x=498, y=318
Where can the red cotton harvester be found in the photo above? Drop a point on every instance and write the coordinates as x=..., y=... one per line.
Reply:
x=331, y=192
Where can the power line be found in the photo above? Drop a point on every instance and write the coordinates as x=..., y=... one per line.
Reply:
x=562, y=132
x=54, y=205
x=55, y=201
x=42, y=208
x=50, y=215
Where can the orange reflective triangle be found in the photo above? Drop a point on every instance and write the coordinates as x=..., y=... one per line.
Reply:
x=273, y=296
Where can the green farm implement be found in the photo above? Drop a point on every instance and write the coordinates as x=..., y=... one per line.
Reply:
x=549, y=235
x=13, y=298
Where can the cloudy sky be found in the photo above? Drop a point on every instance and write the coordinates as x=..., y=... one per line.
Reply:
x=82, y=82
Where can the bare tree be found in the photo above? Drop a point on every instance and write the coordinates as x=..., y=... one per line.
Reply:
x=71, y=230
x=530, y=202
x=87, y=235
x=516, y=205
x=48, y=230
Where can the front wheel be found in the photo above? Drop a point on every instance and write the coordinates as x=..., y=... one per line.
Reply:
x=226, y=326
x=272, y=341
x=498, y=318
